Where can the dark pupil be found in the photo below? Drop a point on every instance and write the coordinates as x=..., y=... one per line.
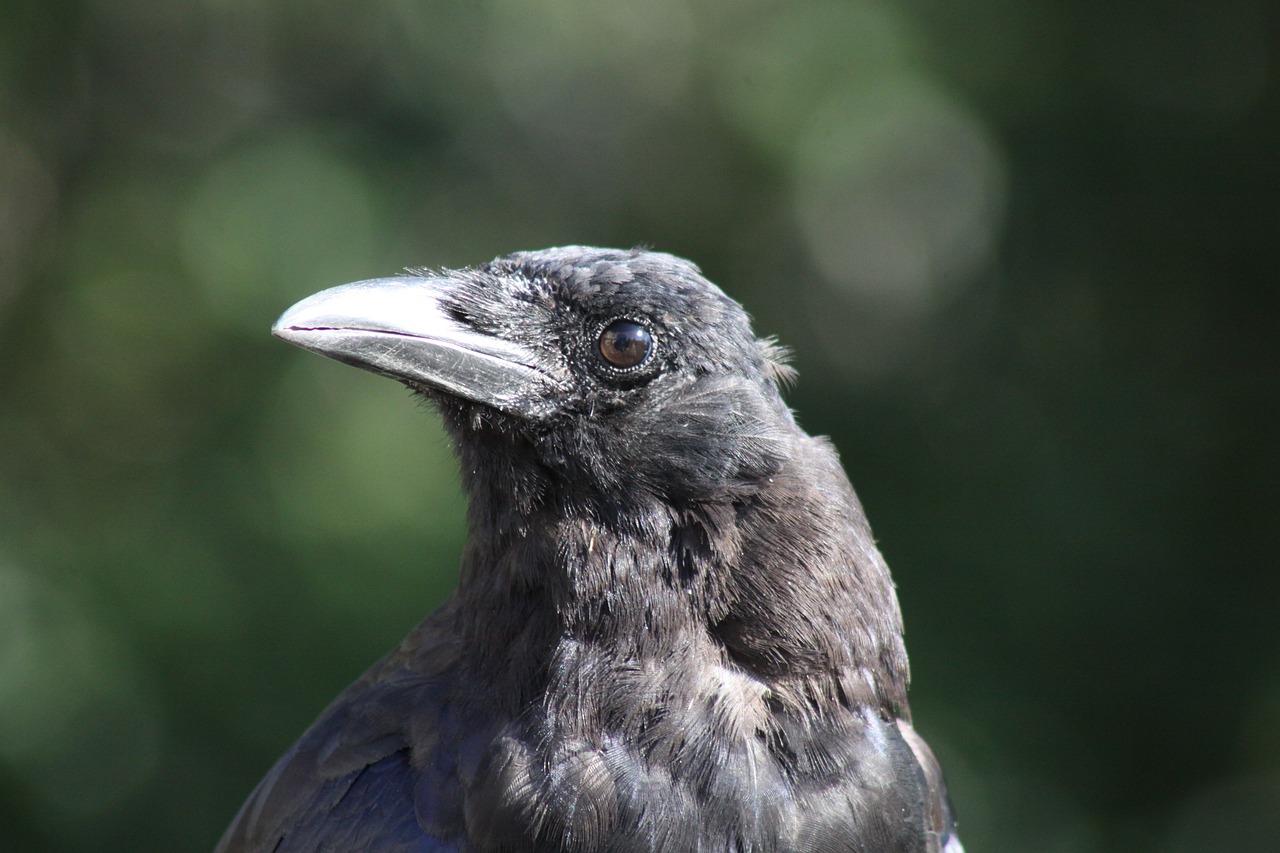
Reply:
x=625, y=344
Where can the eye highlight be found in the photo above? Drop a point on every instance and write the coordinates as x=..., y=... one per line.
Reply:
x=624, y=344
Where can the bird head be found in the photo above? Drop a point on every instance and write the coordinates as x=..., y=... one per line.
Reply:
x=619, y=400
x=627, y=371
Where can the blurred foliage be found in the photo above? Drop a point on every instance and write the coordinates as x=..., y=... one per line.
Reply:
x=1026, y=253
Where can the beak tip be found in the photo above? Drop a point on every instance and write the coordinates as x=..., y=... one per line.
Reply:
x=285, y=333
x=298, y=317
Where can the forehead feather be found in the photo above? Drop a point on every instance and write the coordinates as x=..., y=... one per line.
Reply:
x=657, y=284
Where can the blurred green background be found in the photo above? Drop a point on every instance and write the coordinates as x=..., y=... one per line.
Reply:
x=1026, y=253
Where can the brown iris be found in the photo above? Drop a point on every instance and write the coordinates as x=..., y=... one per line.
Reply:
x=625, y=344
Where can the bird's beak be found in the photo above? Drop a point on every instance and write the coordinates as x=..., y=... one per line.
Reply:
x=399, y=327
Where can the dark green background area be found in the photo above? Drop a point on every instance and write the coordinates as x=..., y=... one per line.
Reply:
x=1027, y=255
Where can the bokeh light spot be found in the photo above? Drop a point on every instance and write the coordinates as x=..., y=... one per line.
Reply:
x=899, y=193
x=349, y=455
x=73, y=714
x=283, y=217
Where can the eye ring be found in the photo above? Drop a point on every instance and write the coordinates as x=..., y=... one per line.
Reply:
x=624, y=345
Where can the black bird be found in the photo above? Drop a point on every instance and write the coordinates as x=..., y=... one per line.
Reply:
x=673, y=630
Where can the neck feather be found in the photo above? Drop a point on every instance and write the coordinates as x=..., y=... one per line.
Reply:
x=784, y=586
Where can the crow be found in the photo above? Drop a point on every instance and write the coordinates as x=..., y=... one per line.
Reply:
x=672, y=630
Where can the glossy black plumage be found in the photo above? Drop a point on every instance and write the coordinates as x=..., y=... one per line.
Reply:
x=673, y=630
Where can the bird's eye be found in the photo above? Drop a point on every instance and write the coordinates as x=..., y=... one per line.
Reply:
x=625, y=344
